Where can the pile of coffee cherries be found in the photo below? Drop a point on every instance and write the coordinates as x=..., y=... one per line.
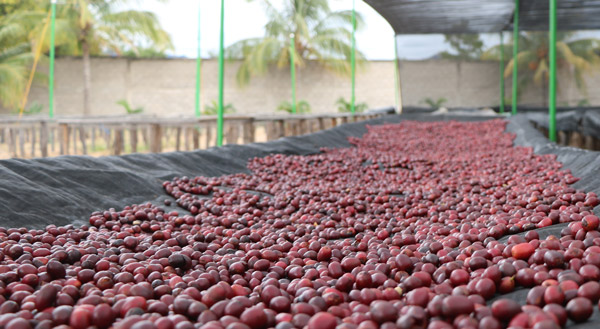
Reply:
x=403, y=230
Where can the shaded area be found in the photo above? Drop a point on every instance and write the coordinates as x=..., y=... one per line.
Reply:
x=473, y=16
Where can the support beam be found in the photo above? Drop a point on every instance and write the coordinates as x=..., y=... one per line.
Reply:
x=515, y=81
x=552, y=82
x=397, y=77
x=501, y=72
x=198, y=67
x=293, y=69
x=353, y=59
x=221, y=71
x=51, y=68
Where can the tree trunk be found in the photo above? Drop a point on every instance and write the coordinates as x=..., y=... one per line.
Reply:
x=87, y=77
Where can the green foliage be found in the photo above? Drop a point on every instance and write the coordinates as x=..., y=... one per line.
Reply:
x=107, y=28
x=583, y=102
x=212, y=108
x=580, y=55
x=465, y=46
x=320, y=34
x=346, y=106
x=15, y=59
x=434, y=103
x=102, y=25
x=34, y=108
x=128, y=108
x=301, y=107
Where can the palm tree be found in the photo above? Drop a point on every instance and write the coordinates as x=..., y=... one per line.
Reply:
x=320, y=34
x=15, y=57
x=97, y=27
x=579, y=55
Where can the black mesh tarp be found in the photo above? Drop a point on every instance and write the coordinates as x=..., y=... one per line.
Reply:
x=484, y=16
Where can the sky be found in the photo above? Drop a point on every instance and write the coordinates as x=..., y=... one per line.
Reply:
x=246, y=20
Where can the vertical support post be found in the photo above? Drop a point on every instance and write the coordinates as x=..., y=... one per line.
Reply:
x=397, y=76
x=221, y=84
x=198, y=67
x=515, y=53
x=293, y=69
x=353, y=59
x=501, y=72
x=552, y=82
x=52, y=55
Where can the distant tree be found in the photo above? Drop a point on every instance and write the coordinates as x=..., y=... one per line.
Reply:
x=302, y=107
x=321, y=35
x=464, y=46
x=345, y=106
x=212, y=108
x=100, y=26
x=15, y=60
x=83, y=27
x=532, y=60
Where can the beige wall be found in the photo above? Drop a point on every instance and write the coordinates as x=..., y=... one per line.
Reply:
x=166, y=86
x=478, y=84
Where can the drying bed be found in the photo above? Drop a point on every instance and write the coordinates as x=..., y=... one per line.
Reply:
x=421, y=224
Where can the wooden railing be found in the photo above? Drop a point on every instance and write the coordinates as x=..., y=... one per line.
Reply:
x=30, y=137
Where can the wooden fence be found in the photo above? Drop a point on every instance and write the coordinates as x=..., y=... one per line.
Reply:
x=31, y=137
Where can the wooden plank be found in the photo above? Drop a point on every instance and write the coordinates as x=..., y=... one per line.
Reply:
x=33, y=133
x=178, y=139
x=83, y=139
x=270, y=130
x=576, y=140
x=196, y=137
x=118, y=143
x=74, y=135
x=231, y=132
x=21, y=142
x=93, y=138
x=64, y=138
x=589, y=142
x=280, y=128
x=106, y=132
x=292, y=127
x=12, y=142
x=133, y=138
x=208, y=129
x=155, y=138
x=53, y=137
x=145, y=137
x=562, y=138
x=44, y=139
x=249, y=133
x=302, y=127
x=321, y=122
x=186, y=138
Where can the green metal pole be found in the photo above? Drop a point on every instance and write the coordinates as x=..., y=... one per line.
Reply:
x=501, y=73
x=52, y=55
x=198, y=67
x=353, y=59
x=515, y=52
x=552, y=82
x=293, y=70
x=221, y=84
x=396, y=73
